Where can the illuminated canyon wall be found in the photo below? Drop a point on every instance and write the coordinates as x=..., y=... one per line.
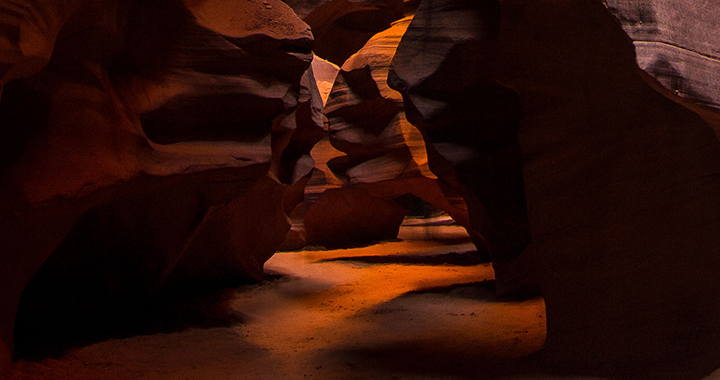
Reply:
x=379, y=158
x=146, y=145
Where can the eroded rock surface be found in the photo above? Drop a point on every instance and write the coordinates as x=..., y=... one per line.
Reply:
x=146, y=144
x=342, y=27
x=676, y=43
x=442, y=68
x=621, y=181
x=380, y=156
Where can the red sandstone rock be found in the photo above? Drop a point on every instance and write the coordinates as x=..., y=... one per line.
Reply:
x=145, y=140
x=385, y=156
x=342, y=27
x=441, y=67
x=349, y=217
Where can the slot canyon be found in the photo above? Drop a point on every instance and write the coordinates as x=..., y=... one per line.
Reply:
x=359, y=189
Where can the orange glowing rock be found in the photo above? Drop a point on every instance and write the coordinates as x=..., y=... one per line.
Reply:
x=470, y=122
x=342, y=27
x=384, y=155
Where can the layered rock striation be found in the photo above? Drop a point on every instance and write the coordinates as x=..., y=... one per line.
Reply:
x=380, y=159
x=342, y=27
x=145, y=145
x=675, y=43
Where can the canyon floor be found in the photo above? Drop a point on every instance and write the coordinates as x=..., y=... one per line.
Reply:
x=421, y=307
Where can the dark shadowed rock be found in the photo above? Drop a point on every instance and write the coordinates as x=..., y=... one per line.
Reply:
x=443, y=70
x=621, y=180
x=146, y=144
x=622, y=190
x=350, y=217
x=153, y=234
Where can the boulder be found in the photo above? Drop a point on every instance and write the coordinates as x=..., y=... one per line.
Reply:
x=350, y=217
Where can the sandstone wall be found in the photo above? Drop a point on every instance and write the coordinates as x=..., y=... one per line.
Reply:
x=144, y=145
x=676, y=42
x=376, y=158
x=620, y=176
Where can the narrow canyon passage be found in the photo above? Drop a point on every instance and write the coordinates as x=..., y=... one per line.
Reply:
x=421, y=307
x=156, y=156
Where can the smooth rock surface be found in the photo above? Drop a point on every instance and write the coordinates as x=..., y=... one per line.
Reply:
x=442, y=68
x=342, y=27
x=621, y=176
x=130, y=128
x=620, y=180
x=350, y=217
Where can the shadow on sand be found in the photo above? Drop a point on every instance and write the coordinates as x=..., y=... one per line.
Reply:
x=469, y=258
x=431, y=358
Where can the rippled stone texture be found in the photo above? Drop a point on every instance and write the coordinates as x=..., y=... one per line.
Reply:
x=380, y=157
x=145, y=144
x=676, y=42
x=342, y=27
x=442, y=68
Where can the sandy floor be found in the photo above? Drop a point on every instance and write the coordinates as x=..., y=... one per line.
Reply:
x=410, y=309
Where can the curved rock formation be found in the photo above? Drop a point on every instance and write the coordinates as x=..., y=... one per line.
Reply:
x=146, y=144
x=442, y=69
x=622, y=181
x=342, y=27
x=622, y=188
x=384, y=156
x=675, y=43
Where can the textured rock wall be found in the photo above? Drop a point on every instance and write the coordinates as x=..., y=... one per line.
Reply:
x=146, y=144
x=342, y=27
x=676, y=42
x=442, y=70
x=379, y=158
x=151, y=144
x=304, y=8
x=622, y=186
x=621, y=180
